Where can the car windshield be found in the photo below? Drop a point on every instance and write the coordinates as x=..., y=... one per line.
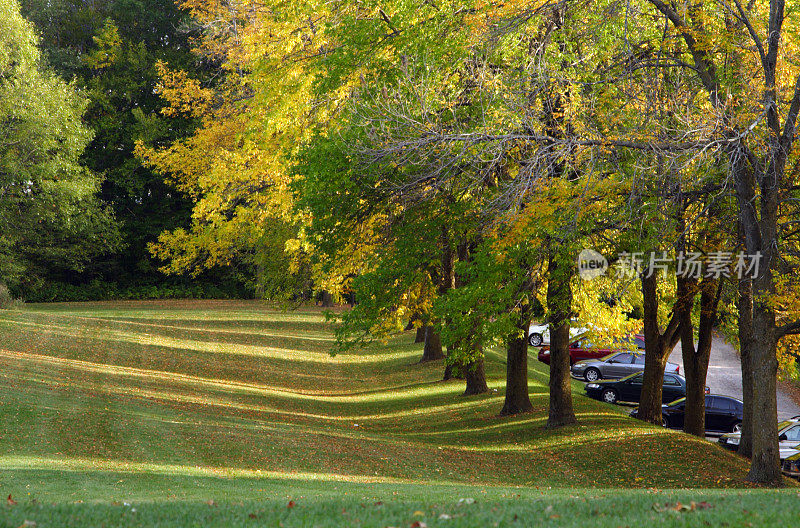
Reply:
x=632, y=376
x=786, y=424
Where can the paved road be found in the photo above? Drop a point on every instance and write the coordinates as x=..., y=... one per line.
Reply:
x=725, y=376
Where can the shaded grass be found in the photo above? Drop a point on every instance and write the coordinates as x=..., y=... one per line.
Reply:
x=155, y=401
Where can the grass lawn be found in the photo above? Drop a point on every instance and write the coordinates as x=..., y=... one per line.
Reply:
x=200, y=413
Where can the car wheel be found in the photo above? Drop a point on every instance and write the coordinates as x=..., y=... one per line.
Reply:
x=535, y=339
x=591, y=374
x=737, y=427
x=664, y=421
x=609, y=396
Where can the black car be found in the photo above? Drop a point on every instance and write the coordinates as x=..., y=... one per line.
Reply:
x=723, y=414
x=629, y=389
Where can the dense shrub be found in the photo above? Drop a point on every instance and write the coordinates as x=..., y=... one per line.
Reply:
x=105, y=291
x=6, y=299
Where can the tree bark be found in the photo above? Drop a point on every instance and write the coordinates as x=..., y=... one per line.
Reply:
x=475, y=377
x=450, y=370
x=695, y=361
x=765, y=460
x=420, y=337
x=559, y=303
x=433, y=346
x=327, y=299
x=517, y=399
x=745, y=305
x=760, y=236
x=657, y=347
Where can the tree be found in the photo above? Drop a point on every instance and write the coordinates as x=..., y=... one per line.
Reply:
x=757, y=160
x=50, y=218
x=110, y=50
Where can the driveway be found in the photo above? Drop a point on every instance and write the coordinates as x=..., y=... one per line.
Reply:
x=725, y=375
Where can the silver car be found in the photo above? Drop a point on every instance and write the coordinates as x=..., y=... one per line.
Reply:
x=614, y=366
x=788, y=437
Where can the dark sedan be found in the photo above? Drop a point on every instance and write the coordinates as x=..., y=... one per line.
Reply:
x=629, y=389
x=723, y=414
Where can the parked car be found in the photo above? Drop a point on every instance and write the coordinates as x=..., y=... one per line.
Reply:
x=790, y=465
x=584, y=348
x=723, y=414
x=629, y=389
x=613, y=366
x=539, y=335
x=788, y=437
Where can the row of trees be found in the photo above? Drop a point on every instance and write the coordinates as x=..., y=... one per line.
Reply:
x=444, y=162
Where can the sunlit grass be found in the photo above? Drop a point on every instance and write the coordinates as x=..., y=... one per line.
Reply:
x=173, y=395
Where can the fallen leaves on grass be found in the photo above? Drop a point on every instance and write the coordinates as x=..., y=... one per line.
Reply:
x=28, y=524
x=10, y=501
x=682, y=508
x=291, y=504
x=211, y=502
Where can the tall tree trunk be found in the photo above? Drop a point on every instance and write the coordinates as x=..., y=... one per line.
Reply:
x=745, y=305
x=765, y=460
x=433, y=346
x=420, y=337
x=657, y=347
x=761, y=237
x=475, y=376
x=452, y=371
x=517, y=399
x=559, y=303
x=695, y=361
x=433, y=342
x=327, y=299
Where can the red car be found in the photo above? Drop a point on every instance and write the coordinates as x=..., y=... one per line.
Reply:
x=582, y=348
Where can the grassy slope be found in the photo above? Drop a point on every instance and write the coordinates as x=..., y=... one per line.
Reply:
x=169, y=404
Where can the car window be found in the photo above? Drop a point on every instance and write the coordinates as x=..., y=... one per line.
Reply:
x=623, y=358
x=672, y=381
x=726, y=405
x=636, y=378
x=793, y=434
x=639, y=342
x=711, y=403
x=638, y=359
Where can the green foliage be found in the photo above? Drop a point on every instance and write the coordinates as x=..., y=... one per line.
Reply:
x=50, y=218
x=52, y=291
x=110, y=50
x=6, y=299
